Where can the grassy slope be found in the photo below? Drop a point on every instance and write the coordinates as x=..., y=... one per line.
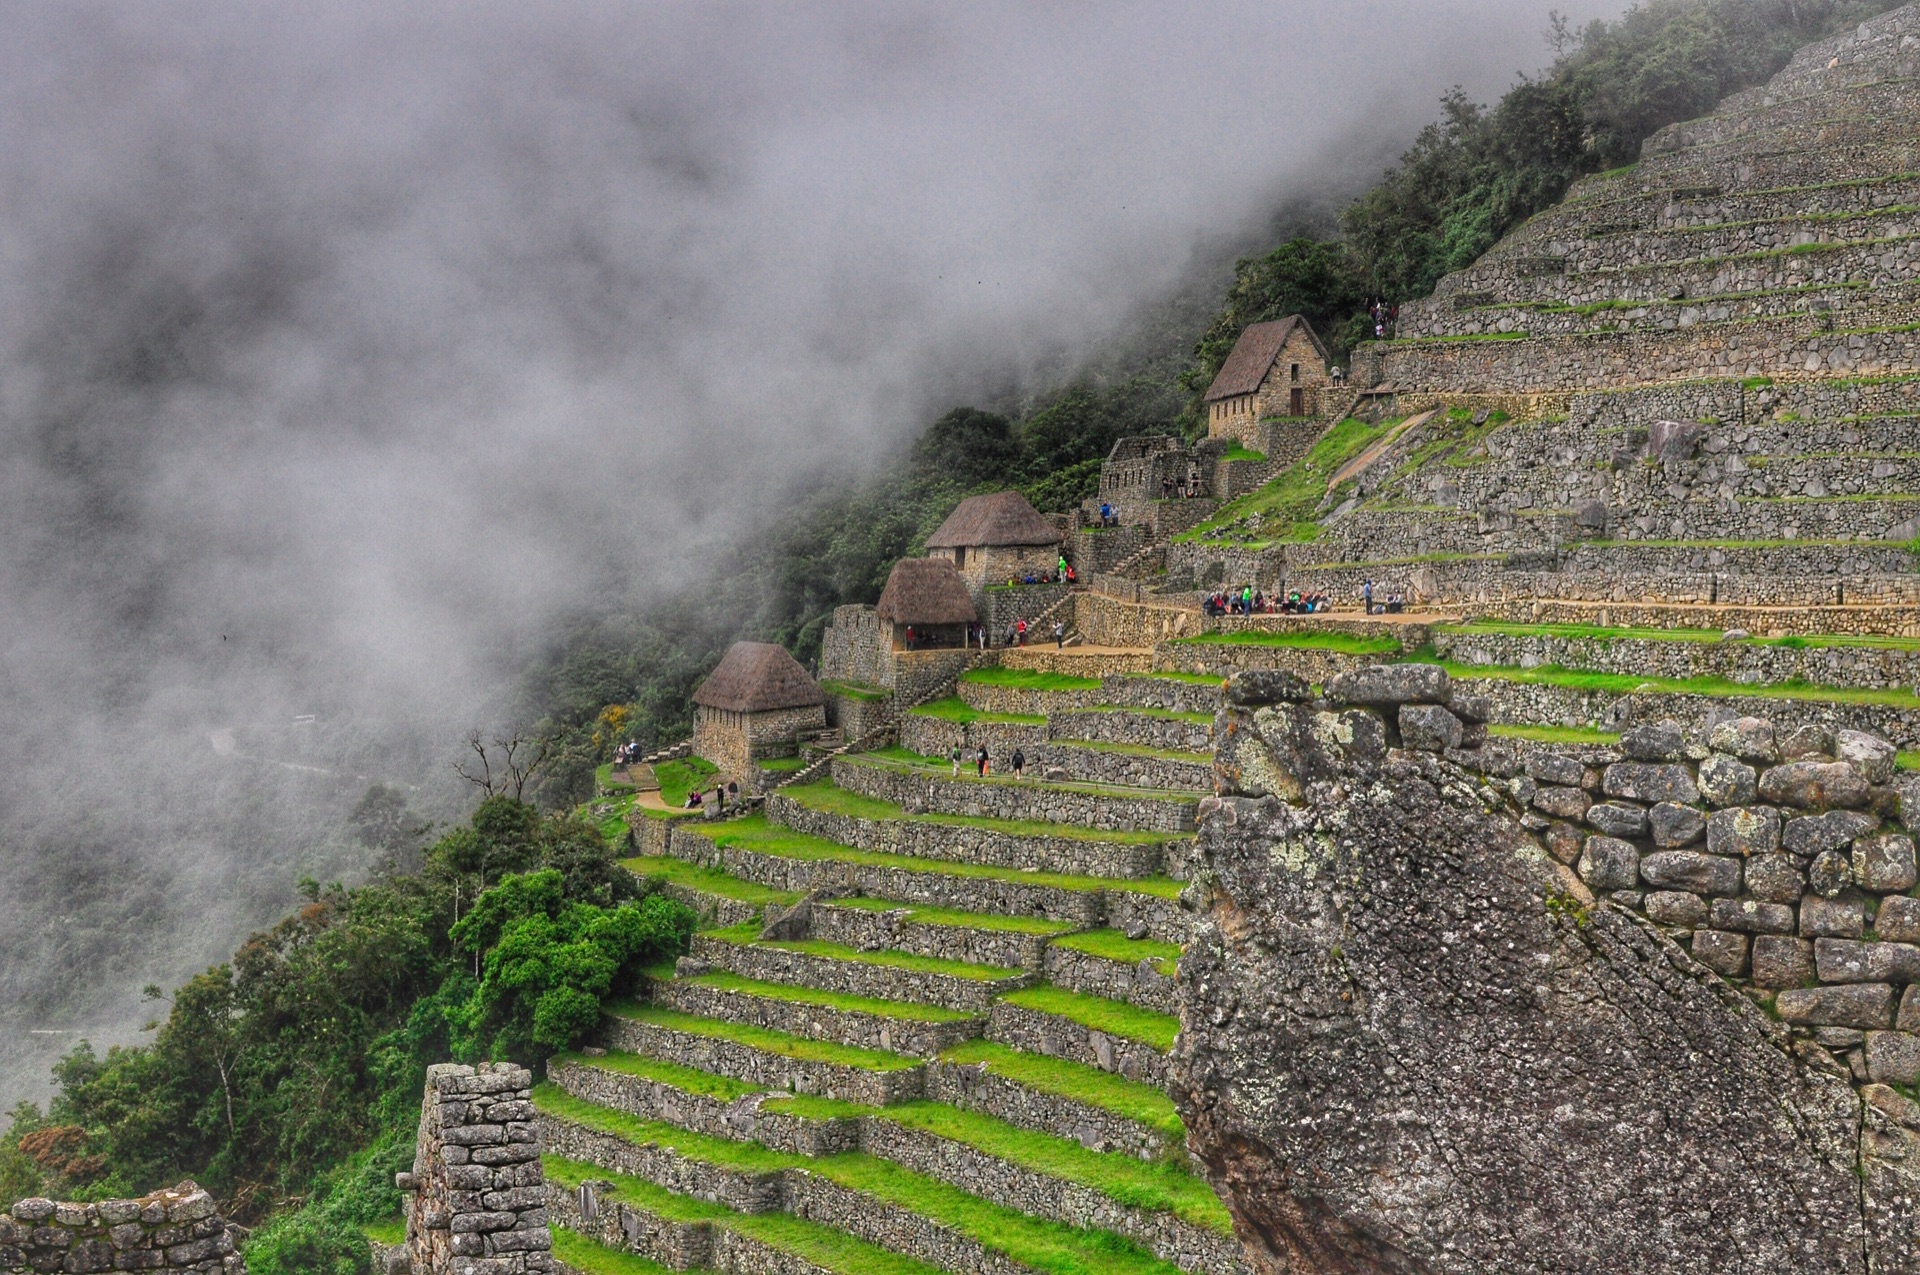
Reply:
x=1286, y=504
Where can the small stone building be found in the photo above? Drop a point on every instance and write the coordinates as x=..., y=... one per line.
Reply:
x=926, y=605
x=992, y=539
x=755, y=704
x=1277, y=372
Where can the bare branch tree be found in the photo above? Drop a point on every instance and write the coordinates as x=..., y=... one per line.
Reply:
x=484, y=780
x=519, y=755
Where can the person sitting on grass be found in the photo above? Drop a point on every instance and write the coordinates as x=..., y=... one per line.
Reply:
x=695, y=800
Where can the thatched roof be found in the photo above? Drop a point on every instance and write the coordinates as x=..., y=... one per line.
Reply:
x=926, y=591
x=758, y=677
x=1253, y=356
x=1003, y=518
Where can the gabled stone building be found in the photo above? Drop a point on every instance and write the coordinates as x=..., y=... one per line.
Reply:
x=926, y=605
x=1277, y=373
x=755, y=704
x=991, y=539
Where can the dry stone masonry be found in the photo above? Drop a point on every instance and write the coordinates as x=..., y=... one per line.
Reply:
x=479, y=1198
x=179, y=1229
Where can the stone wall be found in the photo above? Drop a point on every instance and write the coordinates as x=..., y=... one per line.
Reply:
x=1002, y=605
x=179, y=1229
x=1751, y=663
x=479, y=1197
x=920, y=793
x=734, y=741
x=855, y=649
x=1109, y=621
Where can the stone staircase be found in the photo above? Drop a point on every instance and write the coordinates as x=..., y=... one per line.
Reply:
x=927, y=1021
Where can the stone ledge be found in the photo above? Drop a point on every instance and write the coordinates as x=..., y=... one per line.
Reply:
x=829, y=974
x=1055, y=1037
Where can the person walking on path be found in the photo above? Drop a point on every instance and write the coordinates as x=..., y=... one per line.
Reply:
x=956, y=761
x=1059, y=634
x=1019, y=764
x=982, y=761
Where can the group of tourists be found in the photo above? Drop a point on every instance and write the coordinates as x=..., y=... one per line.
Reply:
x=1306, y=604
x=1387, y=604
x=983, y=761
x=1384, y=318
x=1251, y=601
x=1190, y=489
x=722, y=794
x=1108, y=518
x=626, y=754
x=1017, y=633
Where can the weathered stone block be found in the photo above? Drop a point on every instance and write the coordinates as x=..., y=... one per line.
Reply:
x=1780, y=962
x=1830, y=873
x=1863, y=1005
x=1776, y=878
x=1474, y=710
x=1812, y=785
x=1752, y=916
x=1884, y=864
x=1676, y=907
x=1561, y=803
x=1727, y=781
x=1555, y=768
x=1650, y=781
x=1389, y=685
x=1832, y=918
x=1806, y=741
x=1256, y=688
x=1723, y=953
x=1748, y=738
x=1810, y=834
x=1868, y=754
x=1908, y=1020
x=1691, y=871
x=1564, y=842
x=1676, y=825
x=1428, y=728
x=1898, y=920
x=1893, y=1058
x=1653, y=741
x=1618, y=819
x=1851, y=961
x=1608, y=863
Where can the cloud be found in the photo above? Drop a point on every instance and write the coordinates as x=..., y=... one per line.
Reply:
x=344, y=347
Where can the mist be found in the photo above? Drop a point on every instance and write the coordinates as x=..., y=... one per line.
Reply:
x=345, y=348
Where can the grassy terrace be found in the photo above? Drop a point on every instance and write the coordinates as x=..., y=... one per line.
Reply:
x=1048, y=1247
x=897, y=758
x=1029, y=679
x=1188, y=679
x=1554, y=734
x=1601, y=633
x=391, y=1231
x=1134, y=750
x=956, y=710
x=1112, y=945
x=854, y=690
x=1719, y=687
x=690, y=1080
x=1143, y=1104
x=1038, y=926
x=594, y=1258
x=821, y=1246
x=797, y=995
x=1116, y=1018
x=756, y=834
x=1154, y=1187
x=1286, y=504
x=709, y=881
x=764, y=1039
x=825, y=796
x=1164, y=714
x=749, y=934
x=678, y=778
x=1332, y=640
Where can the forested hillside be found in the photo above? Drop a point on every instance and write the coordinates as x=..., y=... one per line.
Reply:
x=286, y=1079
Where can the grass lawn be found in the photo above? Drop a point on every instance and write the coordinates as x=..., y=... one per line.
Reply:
x=1030, y=679
x=854, y=690
x=1137, y=750
x=708, y=881
x=1343, y=643
x=595, y=1258
x=1239, y=452
x=1554, y=734
x=754, y=833
x=764, y=1039
x=749, y=934
x=1130, y=1099
x=782, y=765
x=1717, y=687
x=1116, y=1018
x=1112, y=945
x=391, y=1231
x=1286, y=504
x=956, y=710
x=686, y=1079
x=603, y=780
x=678, y=778
x=906, y=1010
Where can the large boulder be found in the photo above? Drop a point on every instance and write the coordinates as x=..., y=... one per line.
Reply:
x=1413, y=1042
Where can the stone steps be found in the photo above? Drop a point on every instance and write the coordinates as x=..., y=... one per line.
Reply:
x=882, y=975
x=930, y=788
x=979, y=937
x=765, y=1057
x=863, y=1022
x=1107, y=964
x=1091, y=1030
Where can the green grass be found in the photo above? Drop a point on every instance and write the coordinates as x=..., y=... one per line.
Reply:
x=906, y=1010
x=686, y=1079
x=1048, y=1247
x=1239, y=452
x=1287, y=502
x=593, y=1258
x=1030, y=679
x=709, y=881
x=1554, y=734
x=603, y=780
x=1138, y=750
x=749, y=934
x=855, y=690
x=761, y=1038
x=1907, y=761
x=1189, y=679
x=956, y=710
x=391, y=1231
x=754, y=833
x=920, y=915
x=678, y=778
x=1112, y=945
x=1143, y=1104
x=782, y=765
x=828, y=797
x=897, y=758
x=1343, y=643
x=1116, y=1018
x=1717, y=687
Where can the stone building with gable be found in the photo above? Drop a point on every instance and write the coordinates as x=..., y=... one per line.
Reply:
x=1276, y=377
x=755, y=704
x=994, y=538
x=926, y=605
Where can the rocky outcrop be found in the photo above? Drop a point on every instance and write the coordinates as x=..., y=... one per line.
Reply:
x=1414, y=1039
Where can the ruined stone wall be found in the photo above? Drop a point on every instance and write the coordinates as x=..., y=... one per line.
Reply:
x=179, y=1229
x=1756, y=664
x=855, y=649
x=479, y=1197
x=1453, y=1005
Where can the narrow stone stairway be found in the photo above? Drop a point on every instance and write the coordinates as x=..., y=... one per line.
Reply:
x=926, y=1023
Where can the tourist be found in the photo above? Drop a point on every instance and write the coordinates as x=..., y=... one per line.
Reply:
x=1059, y=634
x=1366, y=597
x=1020, y=633
x=733, y=791
x=694, y=800
x=1019, y=764
x=955, y=755
x=720, y=797
x=982, y=762
x=909, y=637
x=1073, y=577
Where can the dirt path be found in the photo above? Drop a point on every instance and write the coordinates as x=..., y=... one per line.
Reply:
x=1373, y=453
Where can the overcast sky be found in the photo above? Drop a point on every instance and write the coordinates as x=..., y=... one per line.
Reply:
x=342, y=346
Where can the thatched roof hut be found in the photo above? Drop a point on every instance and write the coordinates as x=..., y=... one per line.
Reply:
x=1001, y=519
x=758, y=677
x=1253, y=355
x=925, y=592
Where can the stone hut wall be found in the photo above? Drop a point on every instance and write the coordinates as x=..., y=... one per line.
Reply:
x=479, y=1196
x=734, y=741
x=855, y=648
x=179, y=1229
